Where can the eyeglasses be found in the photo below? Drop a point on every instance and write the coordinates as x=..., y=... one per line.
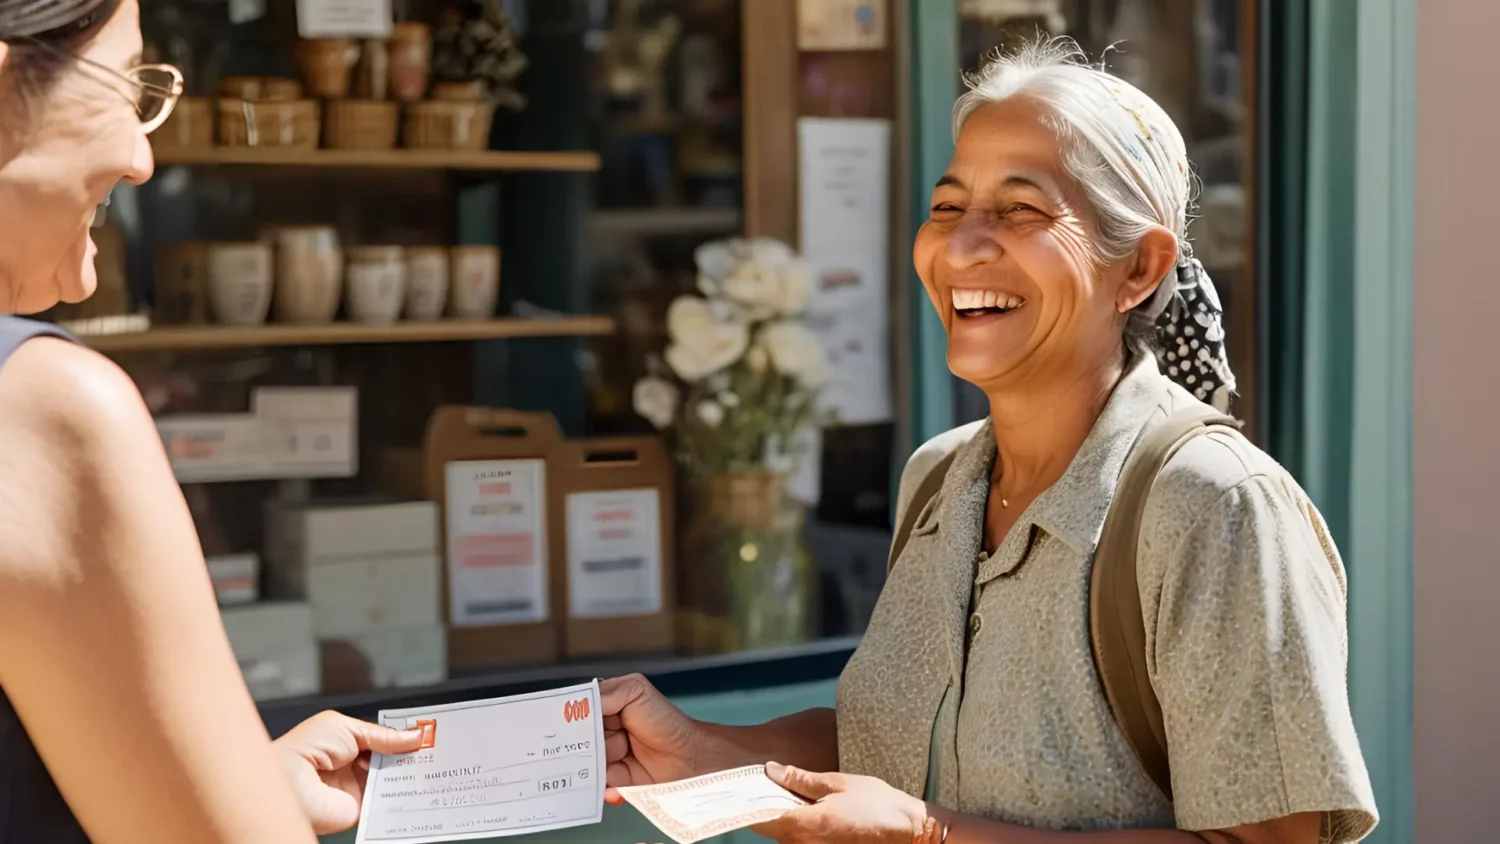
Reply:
x=157, y=87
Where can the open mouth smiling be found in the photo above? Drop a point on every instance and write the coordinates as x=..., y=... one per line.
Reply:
x=970, y=303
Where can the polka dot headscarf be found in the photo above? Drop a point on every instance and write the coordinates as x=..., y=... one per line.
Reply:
x=1190, y=332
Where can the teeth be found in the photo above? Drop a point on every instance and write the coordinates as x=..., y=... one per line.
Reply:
x=969, y=300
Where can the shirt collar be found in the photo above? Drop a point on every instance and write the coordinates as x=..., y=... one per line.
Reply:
x=1074, y=508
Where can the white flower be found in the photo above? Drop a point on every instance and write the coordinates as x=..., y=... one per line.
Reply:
x=655, y=399
x=755, y=286
x=728, y=399
x=711, y=412
x=707, y=352
x=794, y=288
x=757, y=359
x=795, y=351
x=688, y=317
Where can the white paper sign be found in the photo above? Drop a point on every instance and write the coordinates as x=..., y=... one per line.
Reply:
x=614, y=553
x=344, y=18
x=497, y=542
x=702, y=807
x=845, y=199
x=489, y=768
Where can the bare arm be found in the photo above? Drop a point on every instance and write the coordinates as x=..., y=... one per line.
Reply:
x=111, y=647
x=807, y=740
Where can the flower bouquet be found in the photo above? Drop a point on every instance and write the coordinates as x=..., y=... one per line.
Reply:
x=737, y=384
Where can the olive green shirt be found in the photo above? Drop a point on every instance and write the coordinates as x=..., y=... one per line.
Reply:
x=982, y=665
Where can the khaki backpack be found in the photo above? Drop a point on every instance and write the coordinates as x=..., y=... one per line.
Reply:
x=1116, y=624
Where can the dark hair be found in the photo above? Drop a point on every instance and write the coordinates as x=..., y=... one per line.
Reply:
x=41, y=33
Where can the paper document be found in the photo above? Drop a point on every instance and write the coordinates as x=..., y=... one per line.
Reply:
x=702, y=807
x=488, y=768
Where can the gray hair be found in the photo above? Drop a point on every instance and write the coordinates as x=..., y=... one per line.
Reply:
x=1117, y=144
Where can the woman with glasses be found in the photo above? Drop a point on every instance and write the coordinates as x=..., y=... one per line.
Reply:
x=123, y=715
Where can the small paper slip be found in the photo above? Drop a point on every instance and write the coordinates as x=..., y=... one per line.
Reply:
x=702, y=807
x=489, y=768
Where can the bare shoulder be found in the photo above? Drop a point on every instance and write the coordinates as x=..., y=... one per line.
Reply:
x=75, y=429
x=58, y=394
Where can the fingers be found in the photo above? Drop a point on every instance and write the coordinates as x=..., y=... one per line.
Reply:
x=613, y=797
x=375, y=738
x=619, y=692
x=806, y=783
x=616, y=745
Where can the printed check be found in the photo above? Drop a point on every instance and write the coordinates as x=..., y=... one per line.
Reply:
x=489, y=768
x=702, y=807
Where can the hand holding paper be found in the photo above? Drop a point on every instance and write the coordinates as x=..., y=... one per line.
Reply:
x=489, y=768
x=694, y=809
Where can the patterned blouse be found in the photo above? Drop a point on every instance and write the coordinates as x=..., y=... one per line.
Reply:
x=976, y=672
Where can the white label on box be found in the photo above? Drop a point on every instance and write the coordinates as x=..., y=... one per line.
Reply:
x=309, y=431
x=614, y=553
x=344, y=18
x=203, y=448
x=497, y=542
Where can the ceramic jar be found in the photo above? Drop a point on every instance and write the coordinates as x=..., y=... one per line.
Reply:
x=375, y=284
x=239, y=282
x=426, y=282
x=309, y=273
x=410, y=49
x=475, y=282
x=326, y=64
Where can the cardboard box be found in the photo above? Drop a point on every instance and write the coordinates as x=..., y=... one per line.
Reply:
x=416, y=656
x=236, y=578
x=614, y=532
x=275, y=647
x=291, y=432
x=309, y=432
x=363, y=567
x=207, y=447
x=502, y=595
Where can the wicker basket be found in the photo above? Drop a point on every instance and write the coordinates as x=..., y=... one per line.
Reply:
x=190, y=126
x=439, y=124
x=360, y=124
x=260, y=88
x=243, y=123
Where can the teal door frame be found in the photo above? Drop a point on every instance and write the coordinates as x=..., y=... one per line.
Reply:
x=1380, y=435
x=934, y=88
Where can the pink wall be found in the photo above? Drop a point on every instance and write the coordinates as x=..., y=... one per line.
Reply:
x=1456, y=385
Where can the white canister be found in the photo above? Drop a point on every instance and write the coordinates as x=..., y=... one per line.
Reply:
x=375, y=284
x=426, y=282
x=475, y=287
x=309, y=273
x=239, y=282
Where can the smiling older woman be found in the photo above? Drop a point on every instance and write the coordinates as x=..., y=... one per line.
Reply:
x=1055, y=254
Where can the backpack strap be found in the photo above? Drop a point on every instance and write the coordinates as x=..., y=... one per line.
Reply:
x=1116, y=622
x=926, y=491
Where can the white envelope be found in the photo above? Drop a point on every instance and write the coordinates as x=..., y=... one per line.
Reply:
x=506, y=766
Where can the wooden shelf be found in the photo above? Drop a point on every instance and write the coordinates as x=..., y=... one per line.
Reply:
x=186, y=338
x=386, y=158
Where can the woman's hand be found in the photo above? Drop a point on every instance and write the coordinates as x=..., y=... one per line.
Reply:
x=848, y=809
x=327, y=759
x=646, y=738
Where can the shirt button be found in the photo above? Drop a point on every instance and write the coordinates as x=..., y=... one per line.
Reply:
x=984, y=555
x=975, y=622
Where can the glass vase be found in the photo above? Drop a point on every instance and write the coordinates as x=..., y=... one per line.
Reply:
x=747, y=576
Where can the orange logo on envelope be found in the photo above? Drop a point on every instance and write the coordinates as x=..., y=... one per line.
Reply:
x=429, y=733
x=576, y=710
